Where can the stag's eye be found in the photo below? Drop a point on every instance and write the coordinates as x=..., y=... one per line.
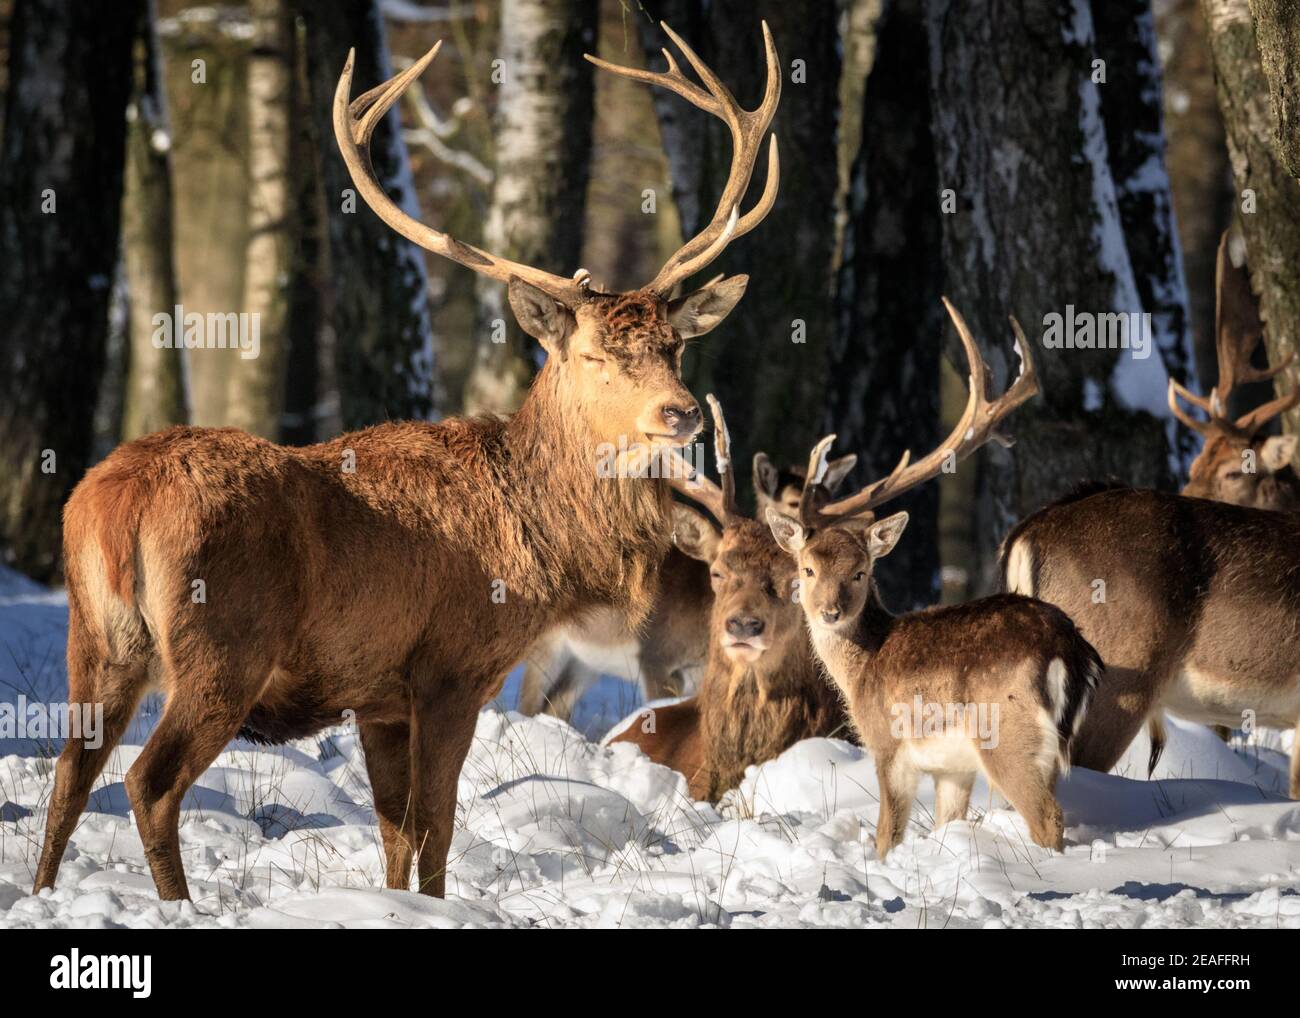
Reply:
x=807, y=571
x=589, y=359
x=859, y=576
x=716, y=576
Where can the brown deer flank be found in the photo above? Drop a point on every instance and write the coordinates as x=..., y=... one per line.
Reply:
x=397, y=572
x=997, y=686
x=1191, y=601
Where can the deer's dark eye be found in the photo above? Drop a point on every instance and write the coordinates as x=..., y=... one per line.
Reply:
x=859, y=576
x=588, y=359
x=807, y=571
x=716, y=575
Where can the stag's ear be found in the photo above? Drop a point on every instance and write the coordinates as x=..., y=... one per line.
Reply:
x=882, y=536
x=1277, y=452
x=540, y=315
x=837, y=470
x=697, y=313
x=766, y=475
x=693, y=534
x=788, y=532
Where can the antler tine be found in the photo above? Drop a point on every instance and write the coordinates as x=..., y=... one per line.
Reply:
x=1261, y=415
x=809, y=515
x=978, y=425
x=685, y=479
x=722, y=457
x=1176, y=390
x=747, y=129
x=354, y=125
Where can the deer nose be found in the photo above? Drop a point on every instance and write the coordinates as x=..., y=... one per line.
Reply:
x=682, y=419
x=744, y=626
x=830, y=615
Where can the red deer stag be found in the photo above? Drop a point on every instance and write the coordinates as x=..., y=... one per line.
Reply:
x=1191, y=602
x=668, y=654
x=996, y=686
x=400, y=571
x=762, y=689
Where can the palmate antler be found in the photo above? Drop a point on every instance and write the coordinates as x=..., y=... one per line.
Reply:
x=978, y=425
x=355, y=121
x=1237, y=331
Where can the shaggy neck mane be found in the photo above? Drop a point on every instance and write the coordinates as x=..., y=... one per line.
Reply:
x=596, y=539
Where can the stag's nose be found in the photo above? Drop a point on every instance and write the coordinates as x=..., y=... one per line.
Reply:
x=830, y=616
x=682, y=420
x=744, y=627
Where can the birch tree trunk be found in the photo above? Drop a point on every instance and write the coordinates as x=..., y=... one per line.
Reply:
x=1268, y=195
x=1036, y=227
x=155, y=389
x=882, y=390
x=255, y=398
x=768, y=362
x=60, y=213
x=376, y=337
x=543, y=154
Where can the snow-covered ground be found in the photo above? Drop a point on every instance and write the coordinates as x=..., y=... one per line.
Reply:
x=554, y=830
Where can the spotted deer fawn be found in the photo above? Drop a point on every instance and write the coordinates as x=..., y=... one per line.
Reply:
x=1191, y=601
x=372, y=589
x=762, y=689
x=667, y=655
x=995, y=687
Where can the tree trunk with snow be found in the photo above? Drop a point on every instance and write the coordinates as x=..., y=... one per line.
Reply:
x=155, y=390
x=1132, y=110
x=60, y=213
x=376, y=318
x=255, y=398
x=1268, y=196
x=767, y=363
x=543, y=155
x=1036, y=228
x=882, y=388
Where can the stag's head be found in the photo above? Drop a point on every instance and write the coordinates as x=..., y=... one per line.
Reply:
x=835, y=544
x=780, y=488
x=613, y=358
x=1239, y=463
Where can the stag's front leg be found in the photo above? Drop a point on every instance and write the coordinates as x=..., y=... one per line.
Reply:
x=442, y=727
x=1295, y=764
x=388, y=762
x=897, y=783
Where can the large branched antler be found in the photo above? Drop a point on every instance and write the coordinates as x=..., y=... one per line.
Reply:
x=354, y=125
x=747, y=129
x=978, y=425
x=1237, y=331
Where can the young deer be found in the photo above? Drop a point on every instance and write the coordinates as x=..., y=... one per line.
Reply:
x=667, y=655
x=762, y=689
x=400, y=571
x=1191, y=602
x=997, y=686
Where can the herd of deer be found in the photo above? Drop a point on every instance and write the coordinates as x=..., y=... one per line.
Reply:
x=362, y=574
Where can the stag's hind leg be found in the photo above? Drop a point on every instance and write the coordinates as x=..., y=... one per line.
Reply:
x=209, y=694
x=388, y=762
x=118, y=687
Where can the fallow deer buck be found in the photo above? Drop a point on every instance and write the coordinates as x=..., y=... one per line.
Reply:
x=667, y=655
x=997, y=686
x=371, y=589
x=762, y=689
x=1192, y=603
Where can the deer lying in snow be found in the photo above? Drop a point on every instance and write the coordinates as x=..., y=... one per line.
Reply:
x=667, y=655
x=1192, y=603
x=400, y=571
x=762, y=689
x=997, y=686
